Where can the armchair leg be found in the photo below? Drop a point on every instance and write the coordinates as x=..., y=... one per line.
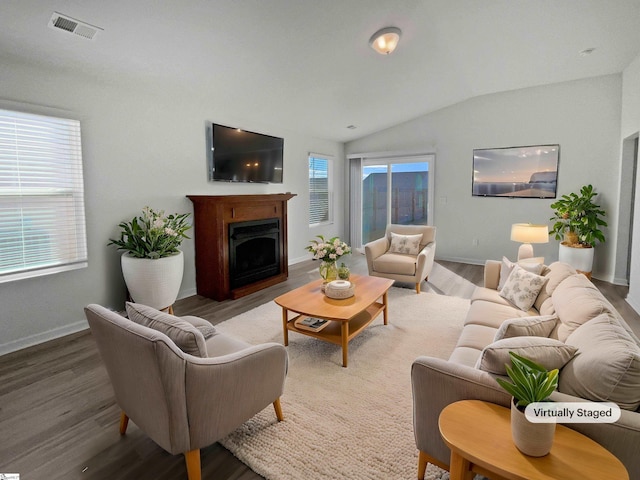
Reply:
x=417, y=287
x=192, y=459
x=278, y=408
x=124, y=422
x=422, y=465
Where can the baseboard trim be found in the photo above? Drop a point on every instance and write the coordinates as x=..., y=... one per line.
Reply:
x=635, y=305
x=42, y=337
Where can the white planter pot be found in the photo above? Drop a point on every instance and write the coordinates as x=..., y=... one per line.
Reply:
x=153, y=282
x=533, y=439
x=579, y=258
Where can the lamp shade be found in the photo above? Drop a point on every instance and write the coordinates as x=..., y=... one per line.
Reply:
x=529, y=233
x=385, y=40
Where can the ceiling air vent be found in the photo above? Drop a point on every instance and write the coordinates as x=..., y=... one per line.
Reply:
x=65, y=23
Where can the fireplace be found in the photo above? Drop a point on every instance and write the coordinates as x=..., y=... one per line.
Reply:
x=254, y=251
x=241, y=243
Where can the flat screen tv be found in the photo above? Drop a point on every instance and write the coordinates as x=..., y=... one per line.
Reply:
x=518, y=172
x=242, y=156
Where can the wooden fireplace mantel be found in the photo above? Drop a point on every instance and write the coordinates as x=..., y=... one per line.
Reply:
x=212, y=216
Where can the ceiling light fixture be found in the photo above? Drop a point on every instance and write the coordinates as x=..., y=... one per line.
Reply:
x=385, y=40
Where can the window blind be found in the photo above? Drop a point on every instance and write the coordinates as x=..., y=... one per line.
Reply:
x=318, y=190
x=42, y=222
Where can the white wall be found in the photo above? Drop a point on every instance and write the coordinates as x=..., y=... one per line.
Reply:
x=141, y=146
x=631, y=126
x=582, y=116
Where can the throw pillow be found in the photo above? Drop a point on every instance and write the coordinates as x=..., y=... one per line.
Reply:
x=607, y=369
x=538, y=326
x=408, y=244
x=522, y=288
x=547, y=352
x=207, y=331
x=533, y=265
x=186, y=336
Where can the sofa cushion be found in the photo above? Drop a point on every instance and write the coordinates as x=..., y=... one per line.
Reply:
x=607, y=367
x=184, y=334
x=493, y=314
x=538, y=326
x=395, y=263
x=476, y=336
x=489, y=295
x=522, y=288
x=555, y=274
x=547, y=352
x=576, y=301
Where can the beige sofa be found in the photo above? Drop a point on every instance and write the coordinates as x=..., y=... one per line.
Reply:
x=570, y=321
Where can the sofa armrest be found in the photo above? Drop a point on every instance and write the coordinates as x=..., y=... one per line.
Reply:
x=223, y=392
x=426, y=258
x=374, y=249
x=437, y=383
x=492, y=274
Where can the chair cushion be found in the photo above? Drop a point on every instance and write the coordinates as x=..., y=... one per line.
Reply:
x=607, y=367
x=395, y=263
x=185, y=335
x=407, y=244
x=539, y=326
x=547, y=352
x=522, y=288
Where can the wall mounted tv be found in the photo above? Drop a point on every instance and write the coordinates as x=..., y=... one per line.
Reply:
x=520, y=172
x=242, y=156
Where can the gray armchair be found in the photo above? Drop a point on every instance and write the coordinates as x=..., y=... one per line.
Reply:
x=414, y=267
x=185, y=401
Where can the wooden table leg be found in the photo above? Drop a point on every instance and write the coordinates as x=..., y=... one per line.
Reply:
x=344, y=329
x=386, y=307
x=285, y=318
x=460, y=468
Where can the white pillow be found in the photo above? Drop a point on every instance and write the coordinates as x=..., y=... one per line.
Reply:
x=547, y=352
x=522, y=288
x=538, y=326
x=408, y=244
x=533, y=265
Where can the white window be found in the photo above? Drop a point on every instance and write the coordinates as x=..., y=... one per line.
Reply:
x=320, y=189
x=42, y=224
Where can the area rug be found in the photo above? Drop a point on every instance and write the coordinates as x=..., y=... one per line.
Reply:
x=347, y=423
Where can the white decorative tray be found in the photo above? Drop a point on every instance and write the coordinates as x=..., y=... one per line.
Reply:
x=339, y=289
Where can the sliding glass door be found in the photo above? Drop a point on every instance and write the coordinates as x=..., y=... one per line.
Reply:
x=395, y=190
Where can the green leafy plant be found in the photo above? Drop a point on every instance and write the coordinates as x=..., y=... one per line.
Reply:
x=579, y=214
x=152, y=235
x=531, y=381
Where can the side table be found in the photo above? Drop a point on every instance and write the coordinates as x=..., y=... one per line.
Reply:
x=479, y=436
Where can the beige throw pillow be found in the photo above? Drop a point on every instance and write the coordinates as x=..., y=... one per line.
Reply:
x=407, y=244
x=538, y=326
x=547, y=352
x=607, y=367
x=186, y=336
x=522, y=288
x=530, y=265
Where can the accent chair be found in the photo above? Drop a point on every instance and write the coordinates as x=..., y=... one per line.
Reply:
x=405, y=253
x=180, y=381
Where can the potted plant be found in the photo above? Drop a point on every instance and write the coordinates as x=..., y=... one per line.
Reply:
x=152, y=264
x=531, y=383
x=577, y=222
x=328, y=252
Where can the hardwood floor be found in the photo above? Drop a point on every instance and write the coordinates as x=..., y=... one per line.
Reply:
x=59, y=419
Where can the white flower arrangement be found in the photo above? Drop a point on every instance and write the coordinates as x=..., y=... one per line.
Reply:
x=328, y=250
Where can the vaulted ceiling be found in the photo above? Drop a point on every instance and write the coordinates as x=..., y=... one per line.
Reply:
x=306, y=65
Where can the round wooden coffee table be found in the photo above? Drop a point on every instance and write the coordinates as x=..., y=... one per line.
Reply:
x=479, y=436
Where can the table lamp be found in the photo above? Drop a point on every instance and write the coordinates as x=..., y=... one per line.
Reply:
x=527, y=233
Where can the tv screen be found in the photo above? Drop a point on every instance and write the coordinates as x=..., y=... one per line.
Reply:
x=521, y=172
x=243, y=156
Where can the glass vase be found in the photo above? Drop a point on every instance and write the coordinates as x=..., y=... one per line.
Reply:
x=328, y=271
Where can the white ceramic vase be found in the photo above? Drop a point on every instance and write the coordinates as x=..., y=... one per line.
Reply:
x=153, y=282
x=533, y=439
x=579, y=258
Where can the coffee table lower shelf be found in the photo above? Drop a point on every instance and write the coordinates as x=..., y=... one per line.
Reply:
x=339, y=332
